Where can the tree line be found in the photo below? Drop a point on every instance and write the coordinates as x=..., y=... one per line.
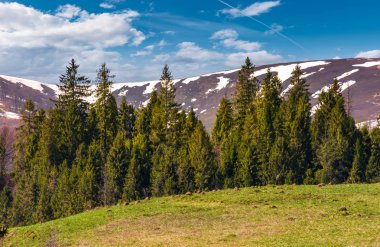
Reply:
x=77, y=156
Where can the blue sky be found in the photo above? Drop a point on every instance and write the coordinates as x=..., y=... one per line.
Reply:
x=137, y=37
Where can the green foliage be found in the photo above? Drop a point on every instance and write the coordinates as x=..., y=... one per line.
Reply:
x=246, y=88
x=5, y=206
x=333, y=135
x=373, y=168
x=224, y=121
x=116, y=168
x=127, y=118
x=201, y=158
x=297, y=127
x=106, y=110
x=265, y=135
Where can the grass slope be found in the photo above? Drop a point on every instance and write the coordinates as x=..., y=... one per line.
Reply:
x=340, y=215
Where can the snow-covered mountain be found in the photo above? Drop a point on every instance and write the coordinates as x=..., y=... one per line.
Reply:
x=204, y=92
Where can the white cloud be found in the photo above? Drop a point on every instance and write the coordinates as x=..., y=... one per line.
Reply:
x=31, y=28
x=191, y=54
x=169, y=32
x=191, y=51
x=229, y=38
x=275, y=28
x=68, y=11
x=162, y=43
x=145, y=52
x=369, y=54
x=254, y=9
x=258, y=58
x=39, y=44
x=225, y=34
x=106, y=5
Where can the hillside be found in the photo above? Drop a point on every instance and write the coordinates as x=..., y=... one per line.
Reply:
x=204, y=92
x=339, y=215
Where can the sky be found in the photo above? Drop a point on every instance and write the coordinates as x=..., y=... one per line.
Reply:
x=136, y=38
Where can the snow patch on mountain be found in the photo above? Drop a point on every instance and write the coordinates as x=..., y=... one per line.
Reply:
x=370, y=124
x=343, y=86
x=29, y=83
x=367, y=64
x=190, y=79
x=287, y=90
x=226, y=72
x=10, y=115
x=149, y=85
x=344, y=75
x=284, y=72
x=307, y=75
x=223, y=82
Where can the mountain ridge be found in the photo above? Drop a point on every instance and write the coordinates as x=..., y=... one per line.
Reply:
x=359, y=76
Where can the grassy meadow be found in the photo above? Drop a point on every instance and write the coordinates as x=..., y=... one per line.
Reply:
x=336, y=215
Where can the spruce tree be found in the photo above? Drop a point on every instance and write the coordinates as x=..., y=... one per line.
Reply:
x=116, y=169
x=5, y=206
x=297, y=125
x=246, y=89
x=61, y=200
x=373, y=169
x=201, y=157
x=357, y=174
x=95, y=170
x=137, y=181
x=74, y=88
x=127, y=118
x=333, y=135
x=223, y=122
x=106, y=109
x=228, y=161
x=72, y=109
x=267, y=109
x=167, y=91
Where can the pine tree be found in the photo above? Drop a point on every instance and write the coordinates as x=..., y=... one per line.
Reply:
x=297, y=125
x=118, y=161
x=201, y=157
x=167, y=92
x=137, y=181
x=335, y=145
x=247, y=155
x=357, y=173
x=106, y=109
x=246, y=89
x=127, y=118
x=224, y=122
x=165, y=180
x=74, y=88
x=26, y=177
x=267, y=109
x=94, y=169
x=72, y=109
x=373, y=169
x=61, y=200
x=5, y=205
x=228, y=161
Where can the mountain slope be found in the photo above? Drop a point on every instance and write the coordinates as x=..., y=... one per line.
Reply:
x=361, y=77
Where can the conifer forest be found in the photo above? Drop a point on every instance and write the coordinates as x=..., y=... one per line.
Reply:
x=79, y=155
